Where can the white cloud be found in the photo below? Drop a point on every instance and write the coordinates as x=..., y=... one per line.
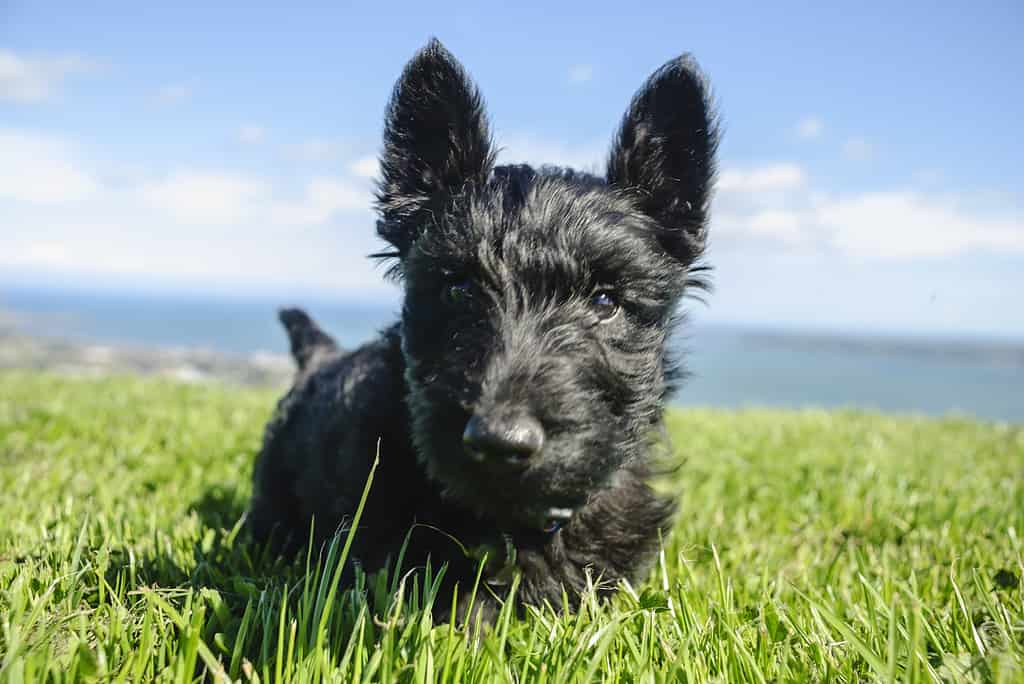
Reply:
x=225, y=199
x=810, y=128
x=63, y=215
x=781, y=228
x=908, y=224
x=203, y=197
x=581, y=73
x=27, y=80
x=41, y=169
x=263, y=257
x=858, y=149
x=322, y=198
x=252, y=134
x=51, y=254
x=365, y=167
x=194, y=227
x=771, y=178
x=172, y=93
x=775, y=205
x=779, y=224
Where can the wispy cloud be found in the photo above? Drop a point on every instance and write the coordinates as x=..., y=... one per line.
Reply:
x=172, y=93
x=581, y=73
x=322, y=198
x=26, y=79
x=909, y=225
x=777, y=224
x=204, y=225
x=858, y=149
x=42, y=169
x=252, y=134
x=204, y=197
x=192, y=227
x=777, y=205
x=266, y=258
x=810, y=128
x=770, y=178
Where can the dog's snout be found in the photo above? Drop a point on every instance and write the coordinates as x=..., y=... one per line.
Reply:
x=511, y=440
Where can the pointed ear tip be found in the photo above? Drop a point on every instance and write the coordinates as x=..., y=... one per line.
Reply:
x=433, y=58
x=434, y=50
x=683, y=69
x=684, y=77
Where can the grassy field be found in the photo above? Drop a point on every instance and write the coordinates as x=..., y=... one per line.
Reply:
x=810, y=546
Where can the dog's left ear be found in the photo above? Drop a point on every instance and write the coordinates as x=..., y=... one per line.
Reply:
x=436, y=145
x=664, y=155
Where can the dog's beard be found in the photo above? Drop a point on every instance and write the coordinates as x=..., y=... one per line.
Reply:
x=574, y=464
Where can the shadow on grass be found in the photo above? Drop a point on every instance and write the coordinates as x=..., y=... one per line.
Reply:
x=219, y=507
x=242, y=587
x=224, y=559
x=243, y=601
x=238, y=585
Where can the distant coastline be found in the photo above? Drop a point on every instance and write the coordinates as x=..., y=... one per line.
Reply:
x=196, y=339
x=999, y=352
x=23, y=352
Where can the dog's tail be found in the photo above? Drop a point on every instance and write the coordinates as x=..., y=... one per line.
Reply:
x=305, y=336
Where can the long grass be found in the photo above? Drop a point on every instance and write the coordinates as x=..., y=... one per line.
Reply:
x=810, y=546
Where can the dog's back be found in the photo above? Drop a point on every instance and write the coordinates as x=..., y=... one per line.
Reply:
x=320, y=443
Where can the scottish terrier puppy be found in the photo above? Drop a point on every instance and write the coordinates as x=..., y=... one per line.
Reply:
x=516, y=401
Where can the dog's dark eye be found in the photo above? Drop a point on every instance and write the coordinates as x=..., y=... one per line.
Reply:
x=605, y=305
x=457, y=293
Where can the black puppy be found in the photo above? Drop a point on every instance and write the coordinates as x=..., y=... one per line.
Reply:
x=515, y=402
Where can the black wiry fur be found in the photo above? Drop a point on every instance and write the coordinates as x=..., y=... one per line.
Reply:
x=526, y=249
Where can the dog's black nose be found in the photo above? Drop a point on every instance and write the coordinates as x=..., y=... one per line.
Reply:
x=511, y=440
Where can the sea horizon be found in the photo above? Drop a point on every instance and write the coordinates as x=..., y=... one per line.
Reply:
x=730, y=364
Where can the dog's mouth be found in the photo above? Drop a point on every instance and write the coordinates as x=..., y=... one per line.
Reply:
x=556, y=518
x=499, y=464
x=521, y=496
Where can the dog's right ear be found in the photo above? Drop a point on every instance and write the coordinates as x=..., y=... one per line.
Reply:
x=664, y=155
x=436, y=145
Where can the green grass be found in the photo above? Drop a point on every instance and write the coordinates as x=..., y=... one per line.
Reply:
x=810, y=546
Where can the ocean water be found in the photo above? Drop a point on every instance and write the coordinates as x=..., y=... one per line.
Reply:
x=729, y=366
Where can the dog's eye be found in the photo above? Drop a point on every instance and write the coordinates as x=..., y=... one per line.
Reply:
x=457, y=293
x=605, y=305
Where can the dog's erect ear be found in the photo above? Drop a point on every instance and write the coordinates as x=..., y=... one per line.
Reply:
x=436, y=144
x=664, y=155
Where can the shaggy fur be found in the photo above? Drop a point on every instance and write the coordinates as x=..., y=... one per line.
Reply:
x=515, y=401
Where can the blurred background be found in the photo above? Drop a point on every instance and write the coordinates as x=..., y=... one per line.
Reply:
x=170, y=175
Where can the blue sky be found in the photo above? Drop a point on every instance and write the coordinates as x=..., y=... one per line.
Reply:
x=871, y=175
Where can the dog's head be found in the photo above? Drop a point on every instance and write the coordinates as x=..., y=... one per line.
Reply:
x=538, y=302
